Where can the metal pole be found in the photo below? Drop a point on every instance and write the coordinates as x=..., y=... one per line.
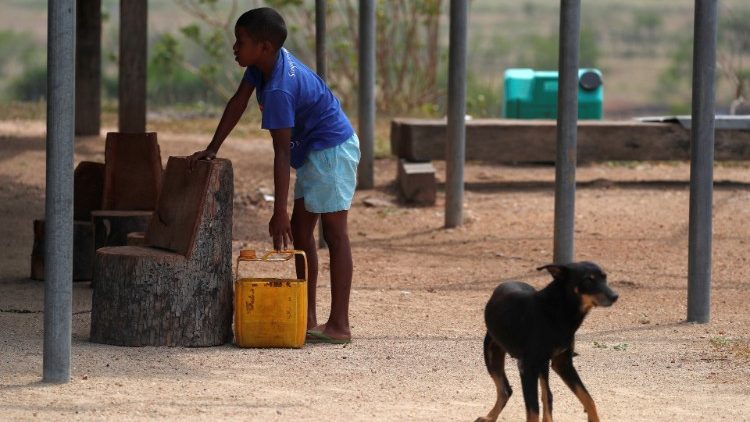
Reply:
x=366, y=93
x=58, y=250
x=320, y=66
x=701, y=162
x=567, y=126
x=456, y=130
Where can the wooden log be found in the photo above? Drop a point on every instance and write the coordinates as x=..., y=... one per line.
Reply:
x=132, y=75
x=146, y=296
x=137, y=239
x=88, y=67
x=513, y=141
x=83, y=248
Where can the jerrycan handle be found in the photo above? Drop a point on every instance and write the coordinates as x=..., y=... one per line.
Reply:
x=269, y=256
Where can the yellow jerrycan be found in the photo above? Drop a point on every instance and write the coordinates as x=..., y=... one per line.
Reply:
x=270, y=312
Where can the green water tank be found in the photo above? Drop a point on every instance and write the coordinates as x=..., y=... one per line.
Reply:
x=532, y=94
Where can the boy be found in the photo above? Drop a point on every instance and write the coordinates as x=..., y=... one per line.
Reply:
x=310, y=133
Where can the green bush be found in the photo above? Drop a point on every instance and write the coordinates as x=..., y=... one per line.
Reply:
x=31, y=85
x=169, y=82
x=179, y=86
x=483, y=99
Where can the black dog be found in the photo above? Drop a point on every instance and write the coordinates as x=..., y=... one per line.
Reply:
x=537, y=327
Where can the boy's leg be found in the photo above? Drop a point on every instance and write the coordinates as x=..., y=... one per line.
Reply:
x=336, y=235
x=303, y=229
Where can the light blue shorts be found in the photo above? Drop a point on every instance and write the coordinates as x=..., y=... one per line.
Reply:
x=328, y=177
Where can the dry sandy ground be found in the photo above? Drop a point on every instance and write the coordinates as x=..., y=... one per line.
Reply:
x=419, y=292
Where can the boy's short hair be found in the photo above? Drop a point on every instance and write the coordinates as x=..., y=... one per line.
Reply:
x=264, y=24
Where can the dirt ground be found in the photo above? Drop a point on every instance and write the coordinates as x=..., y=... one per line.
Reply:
x=417, y=301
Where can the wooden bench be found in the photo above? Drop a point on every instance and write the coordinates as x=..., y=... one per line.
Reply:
x=526, y=141
x=177, y=290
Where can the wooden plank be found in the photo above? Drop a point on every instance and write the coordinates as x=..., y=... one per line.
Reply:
x=509, y=141
x=180, y=209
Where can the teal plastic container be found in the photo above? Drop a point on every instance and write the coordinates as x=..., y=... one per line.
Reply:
x=532, y=94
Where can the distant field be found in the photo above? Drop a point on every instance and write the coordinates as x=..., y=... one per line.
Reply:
x=631, y=54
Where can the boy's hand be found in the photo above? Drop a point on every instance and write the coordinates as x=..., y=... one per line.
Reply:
x=280, y=230
x=206, y=154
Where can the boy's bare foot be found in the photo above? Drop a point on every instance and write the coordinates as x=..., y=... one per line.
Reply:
x=335, y=332
x=317, y=328
x=332, y=332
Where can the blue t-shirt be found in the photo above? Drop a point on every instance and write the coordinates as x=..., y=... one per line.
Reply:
x=295, y=97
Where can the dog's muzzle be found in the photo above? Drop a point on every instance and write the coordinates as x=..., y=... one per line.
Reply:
x=607, y=298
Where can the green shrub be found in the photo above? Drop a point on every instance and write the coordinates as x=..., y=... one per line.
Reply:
x=31, y=85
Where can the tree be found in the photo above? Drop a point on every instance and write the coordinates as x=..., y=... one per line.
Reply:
x=407, y=51
x=734, y=48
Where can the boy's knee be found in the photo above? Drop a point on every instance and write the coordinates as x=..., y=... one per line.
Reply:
x=335, y=237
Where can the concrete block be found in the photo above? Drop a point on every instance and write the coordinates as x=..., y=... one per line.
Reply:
x=417, y=182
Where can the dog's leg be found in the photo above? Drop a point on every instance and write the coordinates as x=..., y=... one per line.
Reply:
x=546, y=394
x=494, y=358
x=563, y=365
x=530, y=370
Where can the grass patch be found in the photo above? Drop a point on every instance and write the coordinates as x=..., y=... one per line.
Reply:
x=620, y=347
x=739, y=347
x=36, y=110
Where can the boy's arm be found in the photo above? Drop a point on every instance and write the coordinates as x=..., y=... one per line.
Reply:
x=279, y=227
x=235, y=108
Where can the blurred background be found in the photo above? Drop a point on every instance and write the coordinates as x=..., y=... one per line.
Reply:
x=642, y=47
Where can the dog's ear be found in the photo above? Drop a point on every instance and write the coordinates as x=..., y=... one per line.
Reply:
x=555, y=269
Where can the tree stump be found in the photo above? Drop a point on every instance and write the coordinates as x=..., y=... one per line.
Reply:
x=179, y=294
x=88, y=186
x=137, y=239
x=83, y=246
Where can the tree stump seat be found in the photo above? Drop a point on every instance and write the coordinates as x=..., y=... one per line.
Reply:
x=88, y=184
x=83, y=247
x=139, y=252
x=176, y=290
